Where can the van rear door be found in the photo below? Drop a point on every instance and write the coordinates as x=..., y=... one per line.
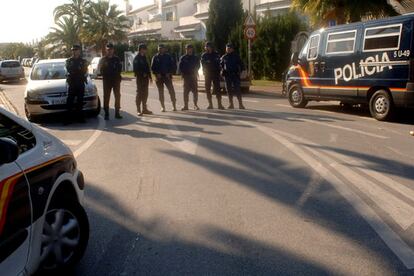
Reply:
x=309, y=67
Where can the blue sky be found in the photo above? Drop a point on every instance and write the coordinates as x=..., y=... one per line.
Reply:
x=26, y=20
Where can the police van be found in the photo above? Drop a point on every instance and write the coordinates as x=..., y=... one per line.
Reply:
x=360, y=63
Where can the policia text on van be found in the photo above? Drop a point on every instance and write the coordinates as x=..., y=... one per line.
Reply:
x=370, y=62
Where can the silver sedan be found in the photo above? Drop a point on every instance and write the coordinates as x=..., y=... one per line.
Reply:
x=46, y=91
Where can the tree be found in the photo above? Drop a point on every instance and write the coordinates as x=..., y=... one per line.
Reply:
x=104, y=23
x=63, y=36
x=16, y=50
x=224, y=16
x=75, y=9
x=342, y=11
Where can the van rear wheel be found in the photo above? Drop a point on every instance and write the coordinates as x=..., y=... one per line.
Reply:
x=296, y=97
x=381, y=106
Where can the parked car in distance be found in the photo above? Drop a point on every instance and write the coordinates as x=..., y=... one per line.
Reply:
x=368, y=62
x=244, y=76
x=93, y=68
x=46, y=90
x=11, y=70
x=42, y=222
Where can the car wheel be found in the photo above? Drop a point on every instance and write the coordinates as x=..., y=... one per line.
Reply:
x=296, y=97
x=65, y=236
x=381, y=106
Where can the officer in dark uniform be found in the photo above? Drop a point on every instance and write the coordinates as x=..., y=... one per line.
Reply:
x=188, y=66
x=77, y=69
x=163, y=66
x=143, y=74
x=211, y=68
x=111, y=68
x=232, y=66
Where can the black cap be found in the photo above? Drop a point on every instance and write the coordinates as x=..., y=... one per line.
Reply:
x=142, y=47
x=189, y=46
x=76, y=47
x=161, y=46
x=230, y=45
x=209, y=44
x=110, y=45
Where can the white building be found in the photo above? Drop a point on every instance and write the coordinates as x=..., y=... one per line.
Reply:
x=185, y=19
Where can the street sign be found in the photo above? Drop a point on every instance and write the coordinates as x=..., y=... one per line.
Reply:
x=250, y=21
x=250, y=33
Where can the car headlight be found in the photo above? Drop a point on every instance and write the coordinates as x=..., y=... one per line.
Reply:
x=34, y=95
x=91, y=90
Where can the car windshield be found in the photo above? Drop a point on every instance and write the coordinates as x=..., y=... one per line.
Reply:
x=49, y=71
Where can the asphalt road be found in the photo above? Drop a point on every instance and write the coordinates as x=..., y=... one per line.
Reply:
x=269, y=190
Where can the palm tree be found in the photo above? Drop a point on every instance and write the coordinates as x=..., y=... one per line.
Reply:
x=63, y=36
x=343, y=11
x=103, y=23
x=74, y=9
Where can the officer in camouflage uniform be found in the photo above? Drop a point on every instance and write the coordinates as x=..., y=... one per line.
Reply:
x=188, y=66
x=111, y=68
x=211, y=68
x=142, y=72
x=232, y=66
x=77, y=69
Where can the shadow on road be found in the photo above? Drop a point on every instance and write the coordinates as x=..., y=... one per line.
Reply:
x=124, y=244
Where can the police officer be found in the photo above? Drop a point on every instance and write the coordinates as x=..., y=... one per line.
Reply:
x=163, y=66
x=188, y=66
x=111, y=68
x=232, y=66
x=211, y=68
x=77, y=69
x=143, y=74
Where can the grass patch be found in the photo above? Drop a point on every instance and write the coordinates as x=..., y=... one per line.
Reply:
x=266, y=83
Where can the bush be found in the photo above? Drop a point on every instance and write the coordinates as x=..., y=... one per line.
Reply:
x=271, y=49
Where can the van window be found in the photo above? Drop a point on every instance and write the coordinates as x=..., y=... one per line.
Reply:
x=339, y=43
x=313, y=47
x=382, y=38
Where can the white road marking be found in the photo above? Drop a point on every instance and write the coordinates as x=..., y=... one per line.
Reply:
x=72, y=142
x=392, y=239
x=344, y=128
x=387, y=181
x=92, y=139
x=250, y=101
x=186, y=143
x=329, y=112
x=333, y=138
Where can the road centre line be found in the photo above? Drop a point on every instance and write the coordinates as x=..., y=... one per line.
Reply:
x=98, y=131
x=392, y=239
x=72, y=142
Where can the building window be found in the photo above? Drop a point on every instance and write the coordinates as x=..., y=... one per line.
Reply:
x=341, y=42
x=169, y=16
x=384, y=38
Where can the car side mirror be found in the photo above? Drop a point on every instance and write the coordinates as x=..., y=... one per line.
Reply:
x=9, y=151
x=294, y=59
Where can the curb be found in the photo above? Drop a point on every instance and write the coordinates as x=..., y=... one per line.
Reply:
x=7, y=104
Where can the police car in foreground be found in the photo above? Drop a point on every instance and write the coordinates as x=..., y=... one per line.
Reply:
x=362, y=63
x=46, y=91
x=42, y=222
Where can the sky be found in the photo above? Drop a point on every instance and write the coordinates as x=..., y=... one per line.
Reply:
x=28, y=20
